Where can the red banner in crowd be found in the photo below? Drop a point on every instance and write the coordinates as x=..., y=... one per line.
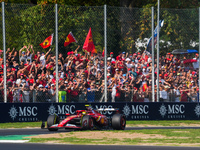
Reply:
x=47, y=42
x=89, y=45
x=70, y=38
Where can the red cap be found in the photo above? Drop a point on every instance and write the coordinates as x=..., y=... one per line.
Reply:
x=111, y=53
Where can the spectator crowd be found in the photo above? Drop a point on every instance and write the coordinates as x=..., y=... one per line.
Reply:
x=31, y=77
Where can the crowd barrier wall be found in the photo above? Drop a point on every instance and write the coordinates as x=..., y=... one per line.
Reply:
x=31, y=112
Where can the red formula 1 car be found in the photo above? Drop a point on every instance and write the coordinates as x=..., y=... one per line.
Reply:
x=88, y=119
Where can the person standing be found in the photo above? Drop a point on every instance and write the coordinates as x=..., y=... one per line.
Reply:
x=91, y=93
x=62, y=95
x=52, y=93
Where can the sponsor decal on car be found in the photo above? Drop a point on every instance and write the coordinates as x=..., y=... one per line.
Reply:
x=71, y=125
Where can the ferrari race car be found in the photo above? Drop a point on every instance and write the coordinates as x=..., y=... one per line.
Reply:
x=88, y=119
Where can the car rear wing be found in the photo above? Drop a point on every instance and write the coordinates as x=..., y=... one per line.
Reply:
x=107, y=109
x=102, y=109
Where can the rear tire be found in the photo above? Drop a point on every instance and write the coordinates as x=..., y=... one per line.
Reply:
x=52, y=119
x=87, y=123
x=118, y=122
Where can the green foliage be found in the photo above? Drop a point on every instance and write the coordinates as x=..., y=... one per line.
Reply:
x=81, y=2
x=129, y=123
x=31, y=24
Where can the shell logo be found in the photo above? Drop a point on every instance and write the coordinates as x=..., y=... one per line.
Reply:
x=102, y=120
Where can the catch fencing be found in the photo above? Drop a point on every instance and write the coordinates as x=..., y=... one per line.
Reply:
x=127, y=30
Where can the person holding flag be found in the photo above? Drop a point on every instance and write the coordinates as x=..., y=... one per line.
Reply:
x=47, y=42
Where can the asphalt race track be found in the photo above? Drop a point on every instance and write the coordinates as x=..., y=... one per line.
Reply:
x=36, y=131
x=30, y=146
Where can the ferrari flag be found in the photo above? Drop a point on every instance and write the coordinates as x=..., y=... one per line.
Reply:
x=70, y=38
x=89, y=45
x=47, y=42
x=149, y=44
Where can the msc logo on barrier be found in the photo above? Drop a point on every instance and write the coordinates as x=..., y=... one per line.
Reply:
x=197, y=110
x=172, y=111
x=163, y=110
x=61, y=109
x=136, y=111
x=126, y=110
x=23, y=113
x=52, y=110
x=13, y=112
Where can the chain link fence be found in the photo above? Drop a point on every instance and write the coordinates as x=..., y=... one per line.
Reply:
x=31, y=78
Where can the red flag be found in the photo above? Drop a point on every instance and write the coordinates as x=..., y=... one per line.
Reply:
x=144, y=87
x=103, y=53
x=47, y=42
x=70, y=38
x=89, y=45
x=94, y=51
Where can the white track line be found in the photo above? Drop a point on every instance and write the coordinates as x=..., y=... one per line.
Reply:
x=13, y=141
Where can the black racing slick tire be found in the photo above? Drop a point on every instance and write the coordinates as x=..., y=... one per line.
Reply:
x=52, y=119
x=118, y=122
x=87, y=123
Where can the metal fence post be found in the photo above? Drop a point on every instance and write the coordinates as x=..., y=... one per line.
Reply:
x=4, y=52
x=56, y=35
x=199, y=55
x=153, y=75
x=158, y=29
x=105, y=53
x=34, y=96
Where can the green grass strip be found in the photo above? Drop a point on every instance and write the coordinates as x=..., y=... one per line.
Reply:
x=171, y=137
x=130, y=123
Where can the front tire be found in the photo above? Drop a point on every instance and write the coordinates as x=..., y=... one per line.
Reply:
x=87, y=123
x=52, y=119
x=118, y=122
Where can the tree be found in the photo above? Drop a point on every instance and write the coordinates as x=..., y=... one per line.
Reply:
x=180, y=28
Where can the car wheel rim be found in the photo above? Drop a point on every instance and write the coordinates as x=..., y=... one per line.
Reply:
x=91, y=124
x=122, y=122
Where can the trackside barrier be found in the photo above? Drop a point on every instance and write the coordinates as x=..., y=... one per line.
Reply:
x=31, y=112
